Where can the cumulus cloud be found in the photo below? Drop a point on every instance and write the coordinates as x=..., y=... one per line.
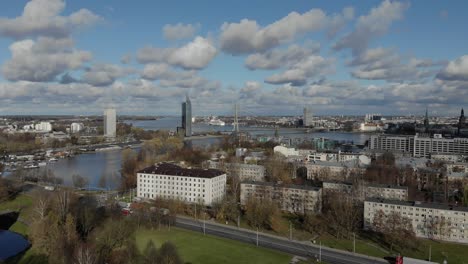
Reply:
x=299, y=73
x=248, y=37
x=42, y=60
x=41, y=18
x=338, y=21
x=180, y=31
x=250, y=89
x=126, y=59
x=196, y=54
x=104, y=74
x=455, y=70
x=376, y=23
x=162, y=71
x=387, y=64
x=276, y=58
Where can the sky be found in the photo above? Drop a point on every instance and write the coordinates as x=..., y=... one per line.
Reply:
x=270, y=57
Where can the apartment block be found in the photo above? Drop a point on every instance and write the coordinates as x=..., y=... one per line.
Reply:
x=434, y=221
x=245, y=172
x=291, y=198
x=169, y=181
x=384, y=191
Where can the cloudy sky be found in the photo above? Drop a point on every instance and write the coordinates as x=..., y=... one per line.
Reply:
x=271, y=57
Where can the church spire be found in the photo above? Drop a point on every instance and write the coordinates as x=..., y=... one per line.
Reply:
x=426, y=121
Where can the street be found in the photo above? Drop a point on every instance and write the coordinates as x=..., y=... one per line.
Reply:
x=298, y=248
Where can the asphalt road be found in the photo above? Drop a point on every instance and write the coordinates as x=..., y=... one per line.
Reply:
x=293, y=247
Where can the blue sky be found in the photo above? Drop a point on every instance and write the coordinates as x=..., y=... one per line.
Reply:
x=272, y=57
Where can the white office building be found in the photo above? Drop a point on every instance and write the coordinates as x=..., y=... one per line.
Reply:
x=434, y=221
x=169, y=181
x=308, y=117
x=43, y=127
x=110, y=122
x=76, y=127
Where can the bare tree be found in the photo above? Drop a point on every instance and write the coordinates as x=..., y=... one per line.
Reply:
x=41, y=203
x=85, y=255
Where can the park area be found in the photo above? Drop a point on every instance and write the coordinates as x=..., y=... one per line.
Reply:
x=198, y=248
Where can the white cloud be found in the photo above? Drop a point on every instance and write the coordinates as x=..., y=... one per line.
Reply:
x=105, y=74
x=376, y=23
x=455, y=70
x=387, y=64
x=162, y=71
x=194, y=55
x=42, y=60
x=41, y=18
x=180, y=31
x=250, y=89
x=299, y=73
x=338, y=21
x=277, y=58
x=248, y=37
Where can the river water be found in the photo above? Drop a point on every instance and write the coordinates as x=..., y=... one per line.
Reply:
x=94, y=166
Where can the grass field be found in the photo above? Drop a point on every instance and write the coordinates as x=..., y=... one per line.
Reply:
x=21, y=203
x=197, y=248
x=454, y=253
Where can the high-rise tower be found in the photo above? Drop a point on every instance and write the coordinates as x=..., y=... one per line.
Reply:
x=110, y=120
x=187, y=117
x=461, y=121
x=307, y=119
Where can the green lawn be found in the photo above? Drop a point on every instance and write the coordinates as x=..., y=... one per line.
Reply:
x=21, y=203
x=197, y=248
x=456, y=253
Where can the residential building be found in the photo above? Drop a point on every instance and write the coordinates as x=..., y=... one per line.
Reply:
x=169, y=181
x=419, y=145
x=110, y=123
x=333, y=171
x=187, y=117
x=425, y=145
x=399, y=143
x=384, y=191
x=285, y=151
x=434, y=221
x=291, y=198
x=245, y=172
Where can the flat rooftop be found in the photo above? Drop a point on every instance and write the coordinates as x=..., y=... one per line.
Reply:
x=289, y=186
x=420, y=204
x=175, y=170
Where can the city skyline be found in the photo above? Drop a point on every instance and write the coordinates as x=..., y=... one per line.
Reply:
x=389, y=57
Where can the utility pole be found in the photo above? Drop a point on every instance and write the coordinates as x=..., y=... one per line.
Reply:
x=195, y=210
x=290, y=231
x=430, y=252
x=204, y=233
x=257, y=236
x=320, y=252
x=354, y=242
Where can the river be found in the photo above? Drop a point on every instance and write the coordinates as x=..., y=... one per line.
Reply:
x=93, y=166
